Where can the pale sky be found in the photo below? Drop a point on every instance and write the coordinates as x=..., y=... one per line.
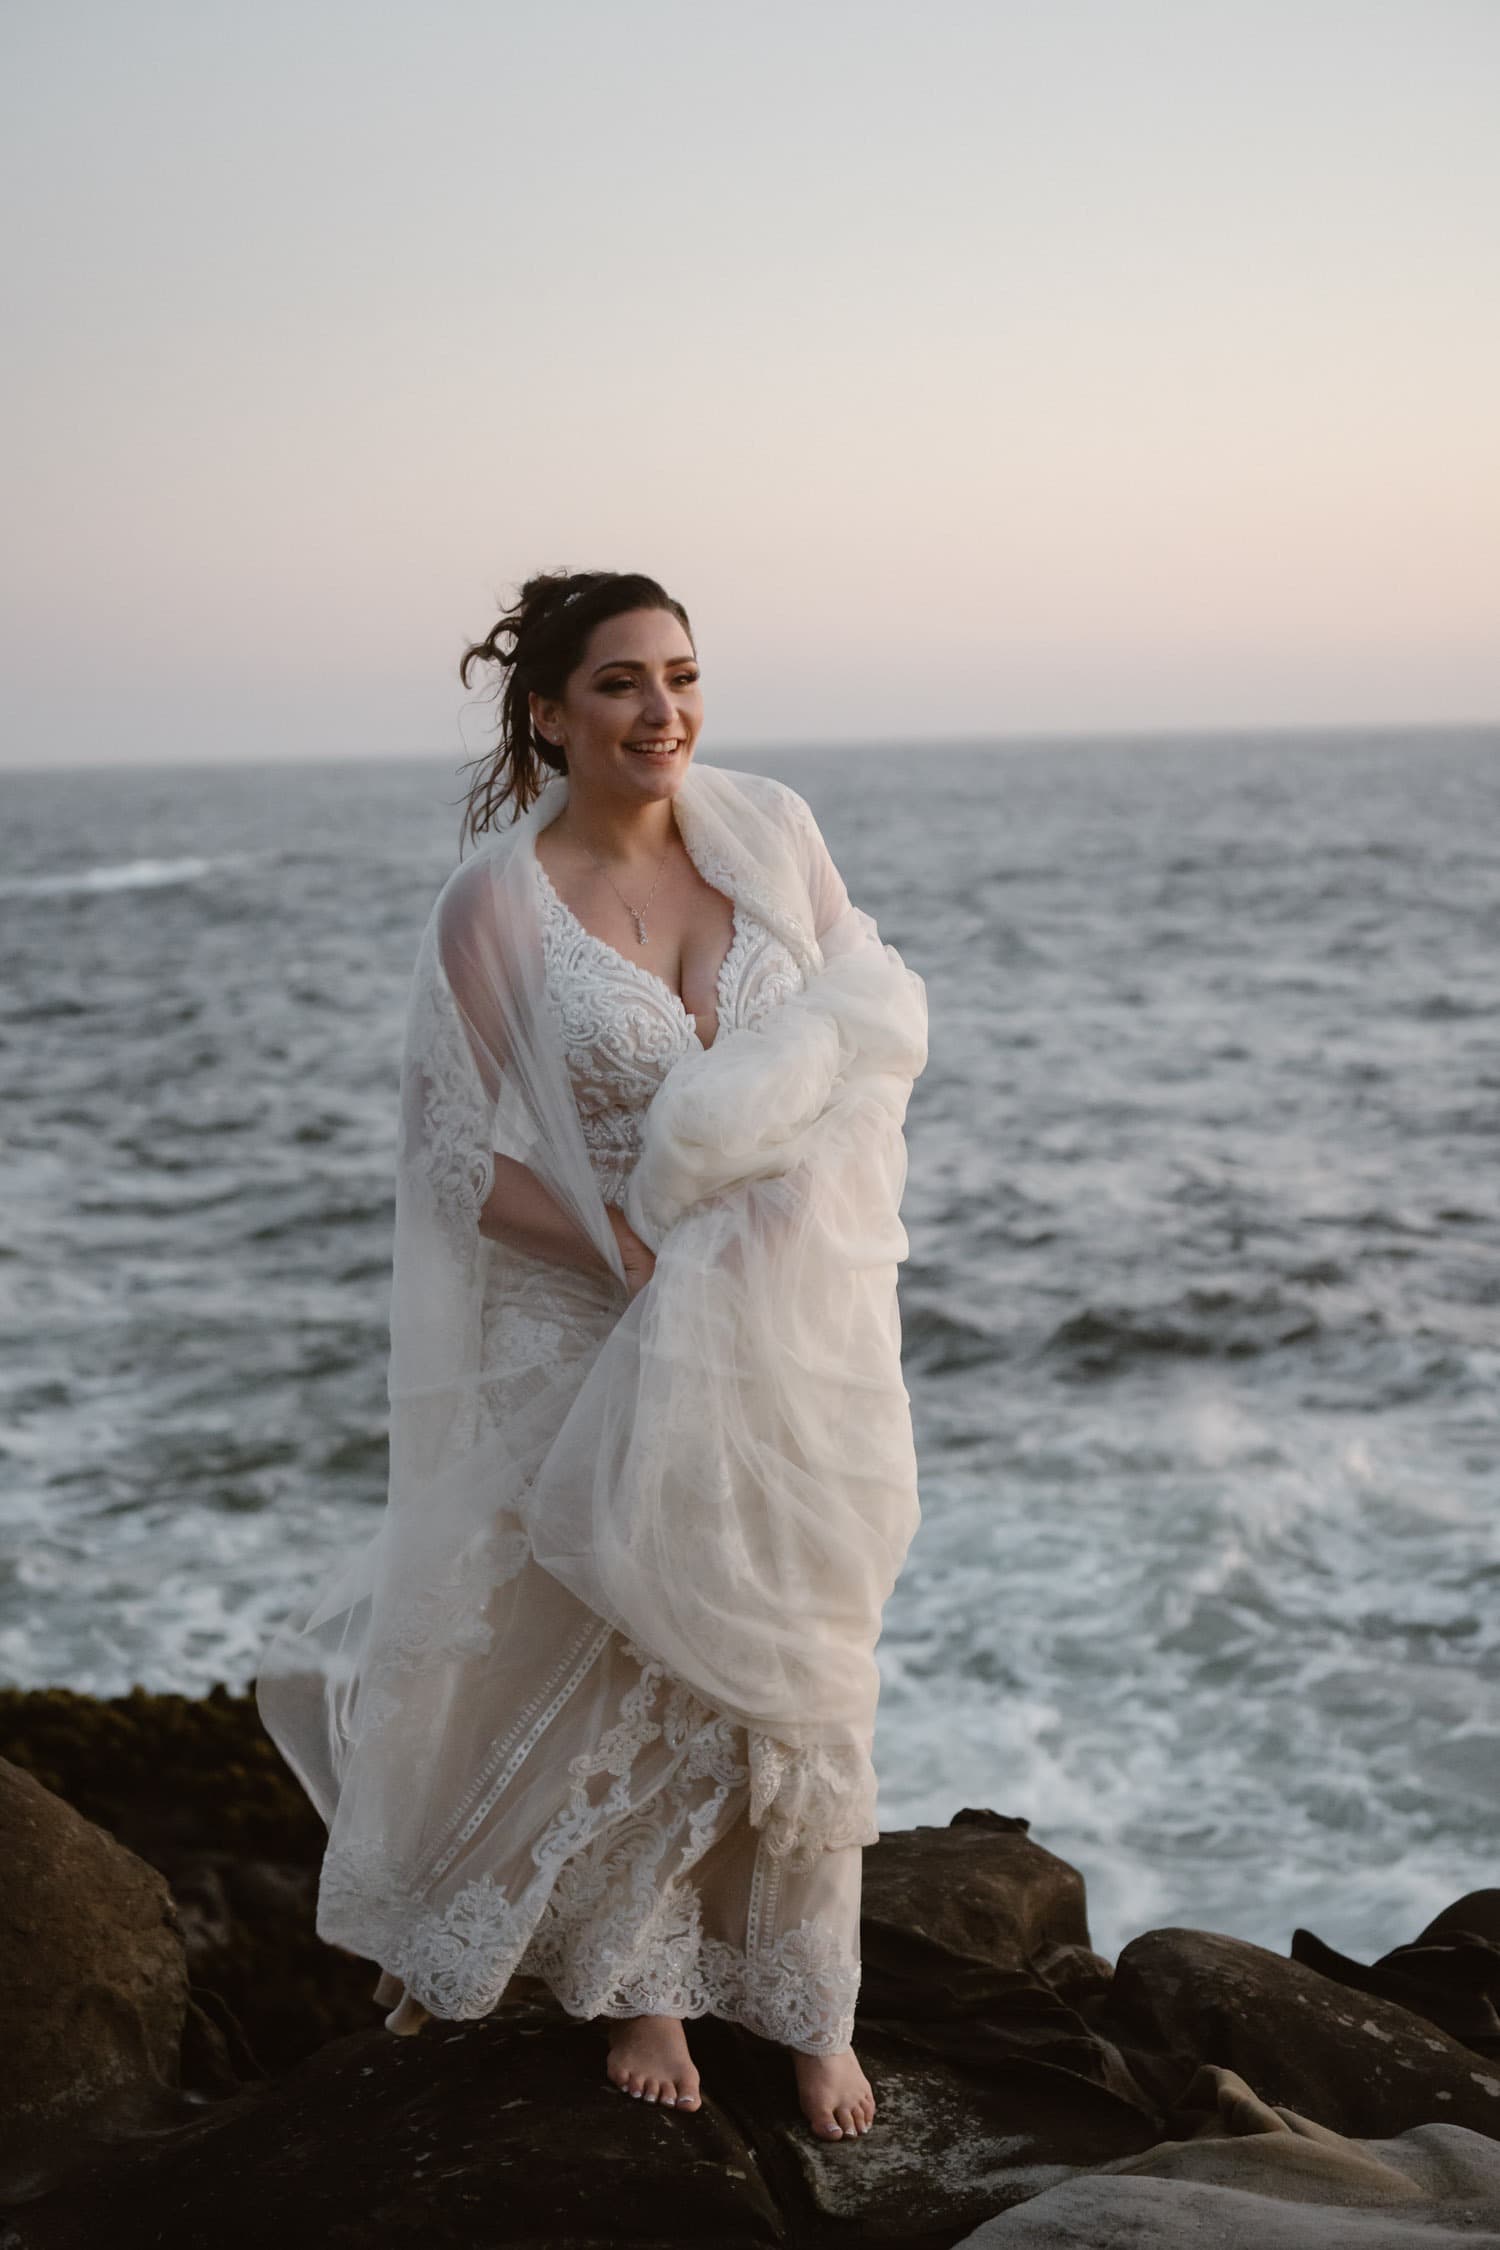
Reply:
x=981, y=367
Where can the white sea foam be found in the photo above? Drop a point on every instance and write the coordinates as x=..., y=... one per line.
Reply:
x=126, y=875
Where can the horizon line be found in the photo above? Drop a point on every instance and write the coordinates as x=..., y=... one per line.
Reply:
x=1216, y=730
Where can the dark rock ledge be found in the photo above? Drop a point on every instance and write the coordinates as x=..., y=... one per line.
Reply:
x=183, y=2063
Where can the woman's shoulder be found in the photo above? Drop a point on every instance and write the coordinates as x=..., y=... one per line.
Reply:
x=768, y=794
x=466, y=908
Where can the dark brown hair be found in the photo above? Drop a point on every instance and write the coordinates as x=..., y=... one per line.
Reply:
x=536, y=646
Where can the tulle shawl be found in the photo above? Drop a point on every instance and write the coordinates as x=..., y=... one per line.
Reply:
x=730, y=1478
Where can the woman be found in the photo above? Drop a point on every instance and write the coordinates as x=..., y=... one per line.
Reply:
x=596, y=1702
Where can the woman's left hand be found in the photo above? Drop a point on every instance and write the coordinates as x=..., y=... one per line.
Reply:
x=638, y=1259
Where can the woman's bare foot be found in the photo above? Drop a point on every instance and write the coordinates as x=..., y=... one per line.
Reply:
x=648, y=2057
x=388, y=1991
x=407, y=2016
x=836, y=2096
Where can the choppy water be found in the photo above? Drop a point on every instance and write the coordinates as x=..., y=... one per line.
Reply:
x=1202, y=1312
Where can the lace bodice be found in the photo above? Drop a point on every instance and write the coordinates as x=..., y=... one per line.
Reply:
x=623, y=1027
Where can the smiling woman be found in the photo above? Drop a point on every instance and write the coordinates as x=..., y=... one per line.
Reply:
x=597, y=1702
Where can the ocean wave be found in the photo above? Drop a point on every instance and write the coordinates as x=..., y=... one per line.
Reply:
x=125, y=875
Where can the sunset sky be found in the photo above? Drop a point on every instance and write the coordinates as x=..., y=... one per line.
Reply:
x=1027, y=366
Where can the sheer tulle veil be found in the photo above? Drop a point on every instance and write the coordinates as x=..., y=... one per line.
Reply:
x=730, y=1479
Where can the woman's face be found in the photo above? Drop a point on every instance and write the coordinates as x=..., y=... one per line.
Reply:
x=631, y=712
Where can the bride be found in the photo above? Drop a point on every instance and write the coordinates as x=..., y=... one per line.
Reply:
x=595, y=1702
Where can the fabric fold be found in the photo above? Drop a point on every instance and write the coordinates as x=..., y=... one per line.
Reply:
x=735, y=1484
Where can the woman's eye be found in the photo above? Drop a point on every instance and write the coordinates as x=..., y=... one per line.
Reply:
x=682, y=679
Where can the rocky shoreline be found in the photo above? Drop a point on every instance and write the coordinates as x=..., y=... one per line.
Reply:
x=184, y=2062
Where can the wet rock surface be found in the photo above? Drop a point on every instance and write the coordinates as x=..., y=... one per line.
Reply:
x=1012, y=2065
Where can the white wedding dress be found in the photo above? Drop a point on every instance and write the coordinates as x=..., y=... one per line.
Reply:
x=599, y=1837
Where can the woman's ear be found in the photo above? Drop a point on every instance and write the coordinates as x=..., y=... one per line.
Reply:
x=544, y=719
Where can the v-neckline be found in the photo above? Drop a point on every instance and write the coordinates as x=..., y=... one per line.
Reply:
x=640, y=968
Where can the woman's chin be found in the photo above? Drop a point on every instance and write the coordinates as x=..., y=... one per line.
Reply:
x=655, y=777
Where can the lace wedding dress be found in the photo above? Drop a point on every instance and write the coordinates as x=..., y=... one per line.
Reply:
x=599, y=1838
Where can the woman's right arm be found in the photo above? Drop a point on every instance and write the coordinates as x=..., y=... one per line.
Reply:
x=520, y=1211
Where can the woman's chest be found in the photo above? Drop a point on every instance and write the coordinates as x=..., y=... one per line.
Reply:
x=623, y=1027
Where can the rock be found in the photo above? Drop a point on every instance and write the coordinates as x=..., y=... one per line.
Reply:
x=507, y=2130
x=195, y=1786
x=1011, y=2065
x=978, y=1891
x=456, y=2131
x=1450, y=1973
x=1254, y=2177
x=93, y=1986
x=1361, y=2065
x=449, y=2138
x=1091, y=2211
x=975, y=1947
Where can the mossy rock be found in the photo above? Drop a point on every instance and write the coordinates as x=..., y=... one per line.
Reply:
x=181, y=1768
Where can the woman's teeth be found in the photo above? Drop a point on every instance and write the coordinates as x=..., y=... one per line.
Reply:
x=652, y=749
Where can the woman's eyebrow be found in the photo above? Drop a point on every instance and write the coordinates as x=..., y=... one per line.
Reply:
x=633, y=664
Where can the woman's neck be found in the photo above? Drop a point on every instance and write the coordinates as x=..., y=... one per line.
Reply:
x=621, y=834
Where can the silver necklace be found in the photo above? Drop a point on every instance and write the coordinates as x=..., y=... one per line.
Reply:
x=636, y=913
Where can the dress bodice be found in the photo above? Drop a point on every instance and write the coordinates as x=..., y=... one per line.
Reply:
x=624, y=1027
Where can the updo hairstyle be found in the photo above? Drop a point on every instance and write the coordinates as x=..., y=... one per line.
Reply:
x=536, y=646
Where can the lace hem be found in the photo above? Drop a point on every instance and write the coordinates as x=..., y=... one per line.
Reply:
x=800, y=1992
x=611, y=1921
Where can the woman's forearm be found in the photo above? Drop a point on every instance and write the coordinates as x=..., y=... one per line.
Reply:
x=520, y=1211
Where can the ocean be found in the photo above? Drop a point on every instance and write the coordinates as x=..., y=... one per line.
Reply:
x=1201, y=1315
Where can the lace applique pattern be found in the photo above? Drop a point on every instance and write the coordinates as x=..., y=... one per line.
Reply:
x=610, y=1921
x=445, y=1115
x=785, y=1781
x=446, y=1618
x=623, y=1027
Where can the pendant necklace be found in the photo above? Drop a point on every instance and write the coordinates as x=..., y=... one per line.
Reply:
x=636, y=913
